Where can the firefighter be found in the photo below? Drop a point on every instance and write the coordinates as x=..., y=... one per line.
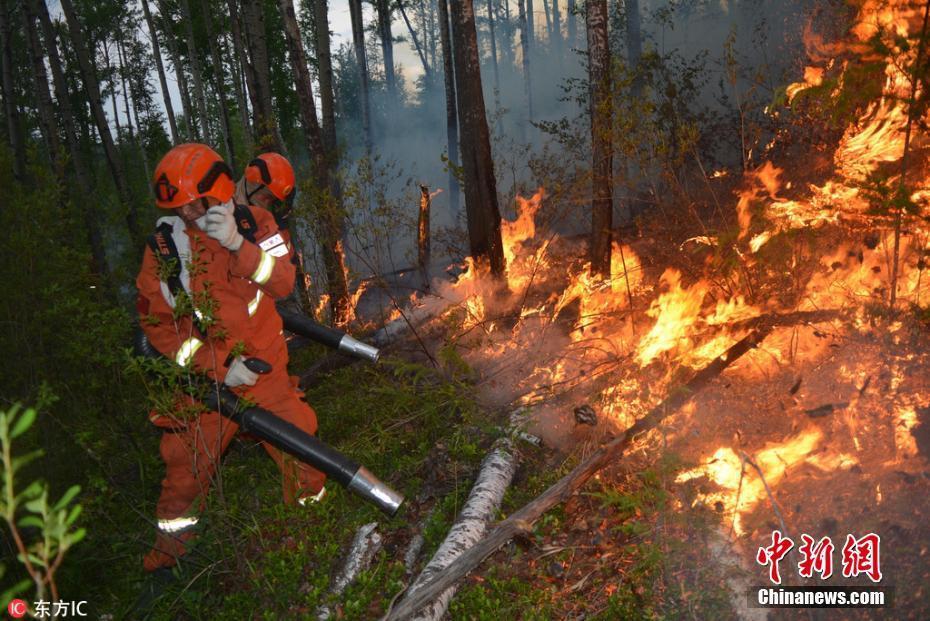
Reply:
x=268, y=182
x=207, y=287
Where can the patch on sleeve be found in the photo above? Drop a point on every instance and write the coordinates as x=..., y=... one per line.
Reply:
x=274, y=245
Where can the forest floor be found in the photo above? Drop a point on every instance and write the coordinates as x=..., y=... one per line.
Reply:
x=652, y=536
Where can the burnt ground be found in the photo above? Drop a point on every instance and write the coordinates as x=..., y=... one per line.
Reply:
x=827, y=429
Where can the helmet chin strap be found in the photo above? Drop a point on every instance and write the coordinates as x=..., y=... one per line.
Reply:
x=248, y=194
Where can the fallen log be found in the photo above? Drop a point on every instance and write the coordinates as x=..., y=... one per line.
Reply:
x=494, y=478
x=522, y=520
x=365, y=545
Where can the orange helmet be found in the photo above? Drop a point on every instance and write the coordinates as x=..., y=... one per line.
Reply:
x=191, y=171
x=274, y=172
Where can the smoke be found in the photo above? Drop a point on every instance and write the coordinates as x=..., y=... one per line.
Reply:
x=734, y=55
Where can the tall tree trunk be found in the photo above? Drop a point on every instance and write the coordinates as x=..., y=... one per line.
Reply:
x=63, y=99
x=497, y=82
x=452, y=120
x=383, y=9
x=556, y=36
x=548, y=21
x=602, y=154
x=325, y=68
x=62, y=96
x=162, y=80
x=196, y=71
x=266, y=127
x=484, y=220
x=525, y=37
x=122, y=77
x=47, y=121
x=328, y=208
x=129, y=95
x=531, y=24
x=219, y=84
x=358, y=41
x=430, y=28
x=14, y=131
x=634, y=43
x=416, y=43
x=572, y=24
x=188, y=109
x=242, y=72
x=114, y=100
x=88, y=73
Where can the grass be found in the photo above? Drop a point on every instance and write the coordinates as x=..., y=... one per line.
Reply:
x=268, y=560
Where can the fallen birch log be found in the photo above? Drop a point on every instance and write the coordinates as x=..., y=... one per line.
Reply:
x=365, y=545
x=522, y=520
x=485, y=498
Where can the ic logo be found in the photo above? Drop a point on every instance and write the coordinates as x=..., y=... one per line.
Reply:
x=17, y=608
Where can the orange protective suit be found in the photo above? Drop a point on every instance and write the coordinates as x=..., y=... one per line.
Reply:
x=235, y=292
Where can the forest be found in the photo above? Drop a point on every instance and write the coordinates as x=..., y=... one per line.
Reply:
x=612, y=297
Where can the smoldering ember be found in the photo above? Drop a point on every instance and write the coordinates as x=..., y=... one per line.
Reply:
x=443, y=309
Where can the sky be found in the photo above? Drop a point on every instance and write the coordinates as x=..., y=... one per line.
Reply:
x=339, y=22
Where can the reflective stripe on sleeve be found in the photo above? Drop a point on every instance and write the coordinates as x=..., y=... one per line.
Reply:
x=187, y=350
x=253, y=305
x=264, y=269
x=177, y=524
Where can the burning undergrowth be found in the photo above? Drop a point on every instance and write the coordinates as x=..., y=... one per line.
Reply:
x=823, y=428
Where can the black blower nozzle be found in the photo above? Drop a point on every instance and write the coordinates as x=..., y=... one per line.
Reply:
x=336, y=339
x=291, y=439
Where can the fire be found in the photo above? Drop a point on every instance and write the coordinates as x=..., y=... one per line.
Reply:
x=675, y=311
x=813, y=76
x=766, y=176
x=740, y=487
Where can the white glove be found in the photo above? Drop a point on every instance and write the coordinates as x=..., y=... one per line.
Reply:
x=240, y=374
x=221, y=226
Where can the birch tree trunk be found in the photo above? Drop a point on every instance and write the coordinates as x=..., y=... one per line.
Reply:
x=452, y=120
x=358, y=41
x=484, y=220
x=219, y=84
x=189, y=124
x=196, y=70
x=47, y=122
x=330, y=226
x=602, y=155
x=14, y=131
x=525, y=38
x=159, y=66
x=89, y=76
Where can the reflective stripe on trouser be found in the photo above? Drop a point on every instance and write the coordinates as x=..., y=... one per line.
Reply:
x=191, y=454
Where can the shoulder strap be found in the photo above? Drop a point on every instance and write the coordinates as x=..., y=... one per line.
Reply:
x=245, y=222
x=169, y=259
x=166, y=251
